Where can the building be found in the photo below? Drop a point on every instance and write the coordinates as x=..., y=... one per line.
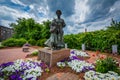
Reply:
x=5, y=32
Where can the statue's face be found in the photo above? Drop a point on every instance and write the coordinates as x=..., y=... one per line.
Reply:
x=58, y=13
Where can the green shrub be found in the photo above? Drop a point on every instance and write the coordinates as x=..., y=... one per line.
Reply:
x=11, y=42
x=41, y=42
x=20, y=42
x=1, y=46
x=73, y=41
x=35, y=53
x=32, y=42
x=105, y=65
x=102, y=40
x=118, y=71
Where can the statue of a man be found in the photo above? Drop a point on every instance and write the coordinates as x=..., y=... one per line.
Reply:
x=56, y=28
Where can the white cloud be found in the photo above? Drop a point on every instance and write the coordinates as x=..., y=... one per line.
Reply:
x=14, y=13
x=98, y=25
x=18, y=2
x=73, y=29
x=38, y=11
x=111, y=9
x=114, y=11
x=31, y=6
x=75, y=23
x=5, y=22
x=43, y=10
x=41, y=19
x=81, y=11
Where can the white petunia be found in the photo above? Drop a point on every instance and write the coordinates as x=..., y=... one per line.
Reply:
x=1, y=79
x=78, y=65
x=30, y=67
x=61, y=64
x=101, y=76
x=78, y=53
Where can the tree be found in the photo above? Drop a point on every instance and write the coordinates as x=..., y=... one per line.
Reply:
x=114, y=25
x=45, y=29
x=29, y=29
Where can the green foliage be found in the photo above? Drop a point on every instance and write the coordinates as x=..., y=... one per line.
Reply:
x=32, y=42
x=118, y=71
x=114, y=25
x=9, y=42
x=20, y=42
x=74, y=41
x=14, y=42
x=102, y=40
x=29, y=29
x=35, y=53
x=1, y=46
x=105, y=65
x=41, y=42
x=45, y=29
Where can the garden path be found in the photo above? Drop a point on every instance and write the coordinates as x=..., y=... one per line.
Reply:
x=12, y=54
x=63, y=76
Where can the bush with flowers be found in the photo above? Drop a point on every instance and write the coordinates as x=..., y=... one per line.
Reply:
x=21, y=70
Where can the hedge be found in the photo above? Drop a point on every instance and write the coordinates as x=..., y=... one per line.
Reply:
x=98, y=40
x=11, y=42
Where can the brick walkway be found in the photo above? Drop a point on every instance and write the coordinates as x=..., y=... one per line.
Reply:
x=12, y=54
x=63, y=76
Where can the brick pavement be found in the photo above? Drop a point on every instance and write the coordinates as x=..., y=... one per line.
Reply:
x=63, y=76
x=11, y=54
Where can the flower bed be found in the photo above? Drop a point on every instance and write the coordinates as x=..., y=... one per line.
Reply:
x=92, y=75
x=79, y=54
x=77, y=64
x=80, y=66
x=21, y=70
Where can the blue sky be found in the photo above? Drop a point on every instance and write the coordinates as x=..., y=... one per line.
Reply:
x=78, y=14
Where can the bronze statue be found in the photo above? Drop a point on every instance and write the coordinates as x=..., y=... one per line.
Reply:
x=56, y=28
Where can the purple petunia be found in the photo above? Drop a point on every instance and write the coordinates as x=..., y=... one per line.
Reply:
x=18, y=69
x=27, y=44
x=75, y=58
x=72, y=52
x=15, y=77
x=6, y=64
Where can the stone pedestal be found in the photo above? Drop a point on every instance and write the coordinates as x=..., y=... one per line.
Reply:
x=51, y=57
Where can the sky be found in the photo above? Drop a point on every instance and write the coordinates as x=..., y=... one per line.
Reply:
x=78, y=14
